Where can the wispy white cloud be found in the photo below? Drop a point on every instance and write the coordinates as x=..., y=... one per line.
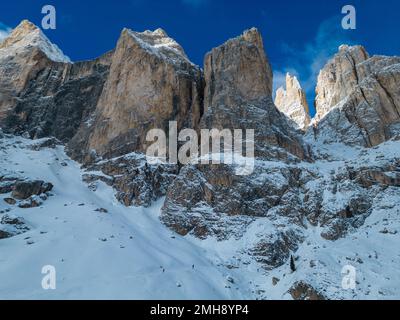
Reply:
x=4, y=31
x=307, y=60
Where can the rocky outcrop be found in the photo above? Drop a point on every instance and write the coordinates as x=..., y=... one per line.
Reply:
x=11, y=226
x=358, y=101
x=292, y=102
x=273, y=250
x=211, y=201
x=24, y=190
x=238, y=95
x=151, y=82
x=238, y=72
x=338, y=78
x=42, y=93
x=303, y=291
x=137, y=182
x=205, y=200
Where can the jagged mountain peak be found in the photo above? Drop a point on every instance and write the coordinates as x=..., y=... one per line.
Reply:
x=292, y=82
x=354, y=50
x=330, y=91
x=251, y=36
x=357, y=98
x=159, y=43
x=293, y=103
x=249, y=75
x=27, y=36
x=305, y=197
x=26, y=26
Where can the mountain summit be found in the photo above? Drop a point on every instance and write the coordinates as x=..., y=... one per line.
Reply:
x=27, y=36
x=293, y=103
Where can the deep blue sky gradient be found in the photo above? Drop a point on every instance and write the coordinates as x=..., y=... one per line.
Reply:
x=299, y=36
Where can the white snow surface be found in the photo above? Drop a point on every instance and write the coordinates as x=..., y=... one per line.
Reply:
x=128, y=265
x=128, y=254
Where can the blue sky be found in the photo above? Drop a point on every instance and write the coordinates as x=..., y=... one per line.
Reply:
x=299, y=36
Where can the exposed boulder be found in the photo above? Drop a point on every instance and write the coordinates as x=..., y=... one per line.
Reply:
x=303, y=291
x=11, y=226
x=7, y=183
x=10, y=201
x=25, y=189
x=274, y=250
x=31, y=202
x=5, y=234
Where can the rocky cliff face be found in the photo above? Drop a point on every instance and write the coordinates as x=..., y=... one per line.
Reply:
x=238, y=95
x=213, y=201
x=21, y=58
x=293, y=103
x=42, y=93
x=338, y=78
x=358, y=100
x=238, y=72
x=151, y=82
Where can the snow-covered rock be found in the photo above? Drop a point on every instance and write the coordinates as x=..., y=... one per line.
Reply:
x=27, y=36
x=293, y=103
x=159, y=43
x=37, y=80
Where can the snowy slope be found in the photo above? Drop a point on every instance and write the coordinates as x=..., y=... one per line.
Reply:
x=71, y=238
x=128, y=254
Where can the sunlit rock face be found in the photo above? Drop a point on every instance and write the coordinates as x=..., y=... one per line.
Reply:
x=292, y=102
x=358, y=98
x=151, y=82
x=42, y=93
x=238, y=95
